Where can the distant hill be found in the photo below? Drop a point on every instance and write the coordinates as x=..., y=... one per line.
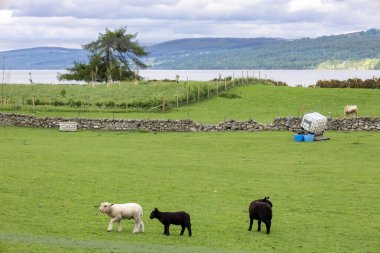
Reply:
x=355, y=51
x=359, y=50
x=41, y=58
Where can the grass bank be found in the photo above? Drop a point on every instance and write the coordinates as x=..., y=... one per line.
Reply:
x=259, y=102
x=325, y=194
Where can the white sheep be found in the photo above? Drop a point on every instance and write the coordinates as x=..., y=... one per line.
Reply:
x=118, y=212
x=350, y=109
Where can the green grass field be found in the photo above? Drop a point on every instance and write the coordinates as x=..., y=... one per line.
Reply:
x=326, y=195
x=259, y=102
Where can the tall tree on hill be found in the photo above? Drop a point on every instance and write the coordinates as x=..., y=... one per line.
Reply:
x=112, y=56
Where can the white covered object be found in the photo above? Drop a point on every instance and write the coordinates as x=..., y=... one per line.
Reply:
x=314, y=123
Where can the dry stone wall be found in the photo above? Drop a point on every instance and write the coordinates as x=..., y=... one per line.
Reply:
x=279, y=124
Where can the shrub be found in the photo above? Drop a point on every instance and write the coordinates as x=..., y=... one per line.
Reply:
x=58, y=103
x=99, y=104
x=373, y=83
x=110, y=104
x=63, y=92
x=229, y=95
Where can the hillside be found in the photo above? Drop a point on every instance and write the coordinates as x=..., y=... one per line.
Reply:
x=347, y=51
x=324, y=52
x=41, y=58
x=258, y=102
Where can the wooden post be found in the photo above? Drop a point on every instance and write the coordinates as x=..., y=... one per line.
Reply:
x=208, y=90
x=217, y=86
x=32, y=88
x=33, y=98
x=225, y=84
x=187, y=96
x=177, y=81
x=198, y=92
x=163, y=102
x=126, y=103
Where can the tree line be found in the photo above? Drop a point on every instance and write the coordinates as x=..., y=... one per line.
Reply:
x=373, y=83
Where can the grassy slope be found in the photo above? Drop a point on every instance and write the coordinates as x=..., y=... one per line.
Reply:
x=325, y=194
x=262, y=103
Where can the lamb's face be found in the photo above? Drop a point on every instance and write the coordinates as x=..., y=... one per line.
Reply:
x=153, y=213
x=104, y=207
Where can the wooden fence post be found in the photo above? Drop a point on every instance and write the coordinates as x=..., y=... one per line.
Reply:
x=187, y=96
x=163, y=102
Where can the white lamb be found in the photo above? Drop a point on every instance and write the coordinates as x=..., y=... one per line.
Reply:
x=118, y=212
x=350, y=109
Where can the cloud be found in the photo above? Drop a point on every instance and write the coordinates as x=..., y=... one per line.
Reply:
x=26, y=23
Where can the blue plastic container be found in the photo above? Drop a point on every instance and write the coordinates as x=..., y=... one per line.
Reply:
x=298, y=137
x=308, y=137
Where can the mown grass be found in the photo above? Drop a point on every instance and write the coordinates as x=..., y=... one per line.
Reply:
x=259, y=102
x=326, y=195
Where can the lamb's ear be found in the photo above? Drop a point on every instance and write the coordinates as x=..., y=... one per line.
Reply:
x=155, y=209
x=111, y=204
x=267, y=197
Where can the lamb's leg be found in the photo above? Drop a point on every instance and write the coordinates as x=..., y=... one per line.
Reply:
x=258, y=225
x=267, y=224
x=166, y=232
x=189, y=229
x=141, y=227
x=250, y=224
x=136, y=227
x=119, y=226
x=110, y=225
x=182, y=230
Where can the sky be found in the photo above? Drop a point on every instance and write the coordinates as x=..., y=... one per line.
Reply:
x=73, y=23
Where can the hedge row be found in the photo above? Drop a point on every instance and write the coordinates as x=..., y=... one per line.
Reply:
x=373, y=83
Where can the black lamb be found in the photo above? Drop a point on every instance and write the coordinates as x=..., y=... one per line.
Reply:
x=176, y=218
x=261, y=210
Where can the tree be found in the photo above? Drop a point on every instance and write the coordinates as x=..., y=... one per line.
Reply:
x=113, y=55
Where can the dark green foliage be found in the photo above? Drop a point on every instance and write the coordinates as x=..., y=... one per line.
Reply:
x=229, y=95
x=80, y=71
x=63, y=92
x=111, y=57
x=58, y=103
x=110, y=104
x=373, y=83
